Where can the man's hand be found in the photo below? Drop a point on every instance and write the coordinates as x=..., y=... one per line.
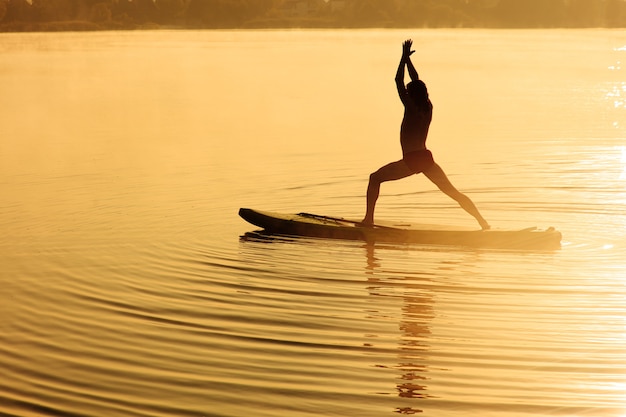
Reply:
x=406, y=49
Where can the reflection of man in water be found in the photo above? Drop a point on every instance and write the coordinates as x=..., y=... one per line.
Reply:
x=418, y=113
x=415, y=320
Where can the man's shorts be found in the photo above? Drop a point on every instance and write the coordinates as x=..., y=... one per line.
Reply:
x=419, y=161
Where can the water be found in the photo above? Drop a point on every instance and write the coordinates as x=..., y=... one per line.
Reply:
x=127, y=291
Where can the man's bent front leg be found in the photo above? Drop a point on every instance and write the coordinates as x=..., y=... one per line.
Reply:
x=373, y=191
x=390, y=172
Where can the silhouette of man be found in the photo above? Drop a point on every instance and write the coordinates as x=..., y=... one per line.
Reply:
x=418, y=113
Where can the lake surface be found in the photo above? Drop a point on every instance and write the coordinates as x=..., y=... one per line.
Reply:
x=127, y=290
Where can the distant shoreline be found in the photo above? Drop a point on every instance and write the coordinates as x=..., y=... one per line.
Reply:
x=107, y=15
x=88, y=26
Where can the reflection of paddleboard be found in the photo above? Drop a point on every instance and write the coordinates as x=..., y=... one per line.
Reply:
x=304, y=224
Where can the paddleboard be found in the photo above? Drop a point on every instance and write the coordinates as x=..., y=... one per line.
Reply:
x=313, y=225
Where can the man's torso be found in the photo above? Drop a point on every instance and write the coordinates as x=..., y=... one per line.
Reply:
x=414, y=128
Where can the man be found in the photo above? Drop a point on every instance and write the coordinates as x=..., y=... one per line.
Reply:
x=418, y=113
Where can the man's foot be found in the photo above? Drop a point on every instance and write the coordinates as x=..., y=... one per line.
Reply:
x=484, y=225
x=367, y=223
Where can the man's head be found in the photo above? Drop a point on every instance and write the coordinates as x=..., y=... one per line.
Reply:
x=417, y=91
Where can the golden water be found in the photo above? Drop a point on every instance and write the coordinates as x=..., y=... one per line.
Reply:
x=127, y=291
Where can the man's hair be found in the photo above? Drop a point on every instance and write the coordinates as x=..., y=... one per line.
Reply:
x=418, y=92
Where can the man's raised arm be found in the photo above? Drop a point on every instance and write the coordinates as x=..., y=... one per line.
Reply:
x=405, y=60
x=400, y=77
x=412, y=70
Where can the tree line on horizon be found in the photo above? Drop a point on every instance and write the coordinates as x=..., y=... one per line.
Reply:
x=18, y=15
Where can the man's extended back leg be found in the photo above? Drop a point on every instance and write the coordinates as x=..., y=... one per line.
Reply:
x=440, y=179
